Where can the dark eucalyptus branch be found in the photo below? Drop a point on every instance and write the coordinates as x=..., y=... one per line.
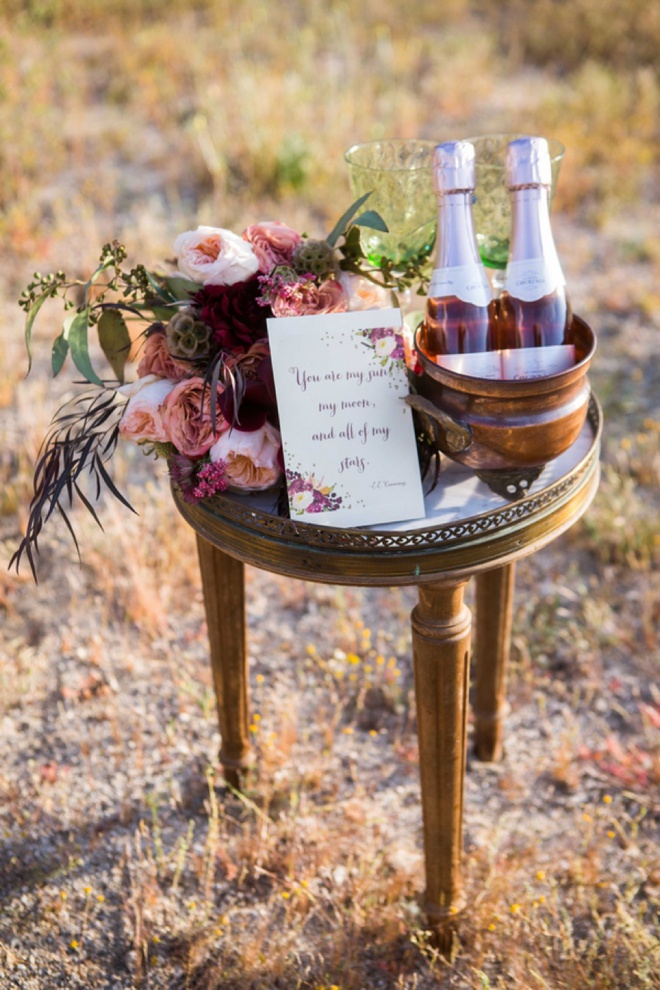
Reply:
x=82, y=437
x=230, y=376
x=212, y=376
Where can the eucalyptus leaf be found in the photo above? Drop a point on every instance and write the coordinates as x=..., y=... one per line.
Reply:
x=181, y=288
x=115, y=340
x=373, y=220
x=59, y=352
x=79, y=345
x=352, y=246
x=31, y=317
x=107, y=263
x=164, y=314
x=345, y=219
x=164, y=293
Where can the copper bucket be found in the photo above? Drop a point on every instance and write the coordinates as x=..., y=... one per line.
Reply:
x=506, y=431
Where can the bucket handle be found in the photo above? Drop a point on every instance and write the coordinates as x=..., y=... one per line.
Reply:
x=451, y=436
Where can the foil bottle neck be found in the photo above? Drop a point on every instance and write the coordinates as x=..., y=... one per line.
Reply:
x=456, y=244
x=531, y=233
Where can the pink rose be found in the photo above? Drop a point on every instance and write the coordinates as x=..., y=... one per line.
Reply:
x=251, y=459
x=363, y=294
x=272, y=242
x=187, y=422
x=309, y=299
x=215, y=256
x=142, y=418
x=157, y=360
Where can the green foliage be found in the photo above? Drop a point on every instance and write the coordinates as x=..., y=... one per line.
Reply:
x=59, y=353
x=292, y=165
x=344, y=221
x=32, y=302
x=138, y=291
x=178, y=287
x=75, y=329
x=115, y=340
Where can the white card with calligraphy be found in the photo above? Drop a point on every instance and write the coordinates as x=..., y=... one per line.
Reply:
x=347, y=435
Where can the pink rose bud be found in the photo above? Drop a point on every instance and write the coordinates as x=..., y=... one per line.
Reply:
x=272, y=242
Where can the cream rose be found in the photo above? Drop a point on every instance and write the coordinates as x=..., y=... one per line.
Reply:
x=272, y=242
x=251, y=458
x=363, y=294
x=142, y=418
x=215, y=256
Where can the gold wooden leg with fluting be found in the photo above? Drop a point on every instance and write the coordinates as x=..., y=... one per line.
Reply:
x=224, y=600
x=494, y=602
x=441, y=648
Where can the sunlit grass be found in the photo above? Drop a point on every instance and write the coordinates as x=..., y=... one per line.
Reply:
x=138, y=120
x=199, y=119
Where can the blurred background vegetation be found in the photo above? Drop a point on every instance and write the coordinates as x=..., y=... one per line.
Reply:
x=123, y=114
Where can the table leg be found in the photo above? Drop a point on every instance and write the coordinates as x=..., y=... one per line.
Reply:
x=494, y=601
x=441, y=648
x=224, y=600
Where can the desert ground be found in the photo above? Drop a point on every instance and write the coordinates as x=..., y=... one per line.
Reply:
x=124, y=860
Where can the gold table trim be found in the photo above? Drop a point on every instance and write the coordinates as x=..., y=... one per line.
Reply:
x=380, y=557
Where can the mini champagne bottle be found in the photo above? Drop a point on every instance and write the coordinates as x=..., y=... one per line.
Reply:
x=534, y=309
x=459, y=305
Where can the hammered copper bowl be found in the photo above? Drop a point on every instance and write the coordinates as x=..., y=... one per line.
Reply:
x=506, y=426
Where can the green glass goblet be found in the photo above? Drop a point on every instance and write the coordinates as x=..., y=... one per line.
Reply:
x=491, y=209
x=399, y=175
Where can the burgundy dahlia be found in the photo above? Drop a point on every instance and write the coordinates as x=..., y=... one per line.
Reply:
x=236, y=319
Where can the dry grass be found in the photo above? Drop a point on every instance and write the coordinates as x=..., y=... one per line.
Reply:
x=124, y=862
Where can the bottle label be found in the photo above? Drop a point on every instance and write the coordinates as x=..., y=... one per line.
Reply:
x=482, y=364
x=469, y=283
x=537, y=362
x=532, y=279
x=518, y=364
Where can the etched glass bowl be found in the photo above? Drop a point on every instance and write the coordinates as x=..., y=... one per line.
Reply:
x=399, y=174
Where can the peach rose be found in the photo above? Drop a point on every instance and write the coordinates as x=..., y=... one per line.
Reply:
x=157, y=360
x=187, y=422
x=272, y=242
x=308, y=299
x=363, y=294
x=142, y=418
x=331, y=297
x=251, y=458
x=215, y=256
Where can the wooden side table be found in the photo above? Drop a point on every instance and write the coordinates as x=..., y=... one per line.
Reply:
x=468, y=531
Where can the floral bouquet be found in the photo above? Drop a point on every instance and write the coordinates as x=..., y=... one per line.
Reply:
x=204, y=397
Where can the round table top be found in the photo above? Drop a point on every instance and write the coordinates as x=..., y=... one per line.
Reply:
x=467, y=528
